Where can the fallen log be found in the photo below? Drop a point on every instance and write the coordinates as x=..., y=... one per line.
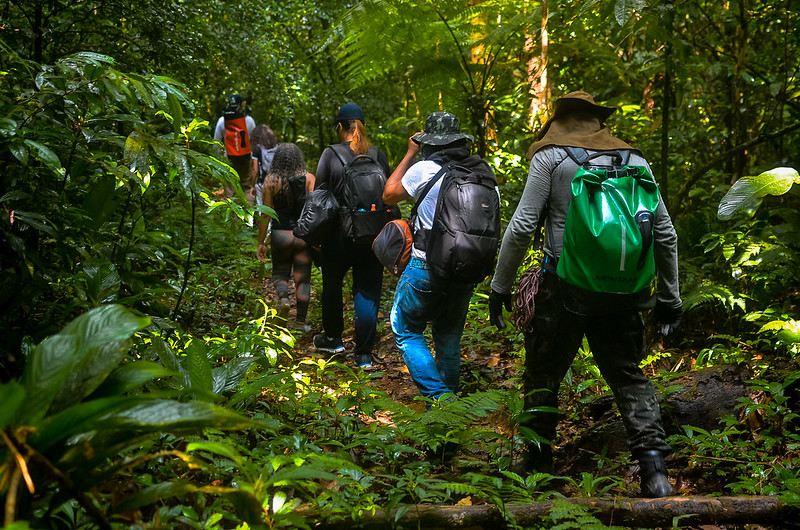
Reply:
x=631, y=512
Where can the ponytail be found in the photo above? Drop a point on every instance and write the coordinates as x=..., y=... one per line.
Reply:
x=359, y=142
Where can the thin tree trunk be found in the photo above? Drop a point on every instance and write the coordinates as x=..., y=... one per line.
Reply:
x=537, y=71
x=665, y=108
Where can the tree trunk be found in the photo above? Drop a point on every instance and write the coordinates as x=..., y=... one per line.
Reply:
x=537, y=72
x=642, y=513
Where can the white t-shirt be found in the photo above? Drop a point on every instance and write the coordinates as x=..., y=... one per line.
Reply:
x=219, y=130
x=413, y=182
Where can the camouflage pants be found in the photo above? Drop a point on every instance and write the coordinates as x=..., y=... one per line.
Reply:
x=617, y=344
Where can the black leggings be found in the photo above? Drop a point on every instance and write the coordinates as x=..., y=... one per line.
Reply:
x=290, y=254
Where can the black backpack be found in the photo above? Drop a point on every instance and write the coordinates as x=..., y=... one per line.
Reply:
x=462, y=243
x=292, y=196
x=362, y=211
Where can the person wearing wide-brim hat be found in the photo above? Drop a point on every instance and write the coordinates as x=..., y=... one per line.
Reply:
x=554, y=334
x=421, y=298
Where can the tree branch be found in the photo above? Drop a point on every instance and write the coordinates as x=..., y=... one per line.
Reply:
x=642, y=513
x=684, y=191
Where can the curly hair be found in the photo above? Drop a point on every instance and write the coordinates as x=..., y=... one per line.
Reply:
x=288, y=161
x=263, y=136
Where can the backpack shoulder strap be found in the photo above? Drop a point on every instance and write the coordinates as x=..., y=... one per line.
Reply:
x=439, y=174
x=578, y=154
x=341, y=153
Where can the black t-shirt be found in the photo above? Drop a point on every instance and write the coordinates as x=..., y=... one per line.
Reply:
x=330, y=171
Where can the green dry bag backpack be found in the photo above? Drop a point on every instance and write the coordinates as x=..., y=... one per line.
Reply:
x=607, y=260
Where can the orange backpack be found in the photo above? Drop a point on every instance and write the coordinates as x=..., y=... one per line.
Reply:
x=237, y=141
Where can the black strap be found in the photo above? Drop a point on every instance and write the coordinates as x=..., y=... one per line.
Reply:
x=427, y=188
x=581, y=156
x=421, y=236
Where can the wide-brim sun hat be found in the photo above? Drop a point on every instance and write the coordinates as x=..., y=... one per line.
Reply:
x=350, y=112
x=441, y=128
x=577, y=101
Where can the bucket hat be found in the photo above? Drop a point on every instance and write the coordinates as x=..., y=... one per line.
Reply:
x=577, y=101
x=441, y=128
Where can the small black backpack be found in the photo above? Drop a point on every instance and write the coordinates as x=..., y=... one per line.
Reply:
x=462, y=243
x=292, y=196
x=362, y=212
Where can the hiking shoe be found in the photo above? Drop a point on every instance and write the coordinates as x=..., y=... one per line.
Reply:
x=328, y=344
x=283, y=308
x=364, y=360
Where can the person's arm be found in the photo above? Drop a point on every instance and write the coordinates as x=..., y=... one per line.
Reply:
x=394, y=191
x=322, y=178
x=263, y=223
x=254, y=173
x=310, y=182
x=522, y=226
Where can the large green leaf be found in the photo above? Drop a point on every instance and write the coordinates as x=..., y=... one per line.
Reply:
x=137, y=414
x=228, y=376
x=12, y=395
x=74, y=362
x=199, y=367
x=131, y=375
x=745, y=192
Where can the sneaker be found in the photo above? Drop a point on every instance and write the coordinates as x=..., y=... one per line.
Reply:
x=328, y=344
x=364, y=360
x=301, y=326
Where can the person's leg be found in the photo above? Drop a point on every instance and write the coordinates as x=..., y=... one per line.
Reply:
x=367, y=284
x=618, y=346
x=302, y=278
x=549, y=351
x=450, y=306
x=281, y=242
x=335, y=264
x=409, y=318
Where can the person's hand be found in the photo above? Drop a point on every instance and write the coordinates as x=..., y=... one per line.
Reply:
x=668, y=318
x=413, y=146
x=497, y=301
x=261, y=252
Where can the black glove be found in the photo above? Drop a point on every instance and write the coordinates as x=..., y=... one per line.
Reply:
x=668, y=318
x=496, y=303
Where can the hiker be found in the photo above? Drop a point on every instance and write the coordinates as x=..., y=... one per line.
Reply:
x=339, y=253
x=285, y=190
x=233, y=131
x=616, y=336
x=423, y=297
x=262, y=147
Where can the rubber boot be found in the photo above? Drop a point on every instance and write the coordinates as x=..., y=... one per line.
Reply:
x=653, y=470
x=539, y=459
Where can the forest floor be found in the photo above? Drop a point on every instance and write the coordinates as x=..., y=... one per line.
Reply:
x=481, y=368
x=592, y=441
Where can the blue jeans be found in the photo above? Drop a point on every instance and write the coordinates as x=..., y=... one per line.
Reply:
x=421, y=298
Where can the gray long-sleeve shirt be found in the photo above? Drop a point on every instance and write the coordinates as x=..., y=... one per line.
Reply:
x=549, y=183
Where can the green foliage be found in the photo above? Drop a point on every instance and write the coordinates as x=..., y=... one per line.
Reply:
x=746, y=192
x=72, y=417
x=746, y=455
x=565, y=516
